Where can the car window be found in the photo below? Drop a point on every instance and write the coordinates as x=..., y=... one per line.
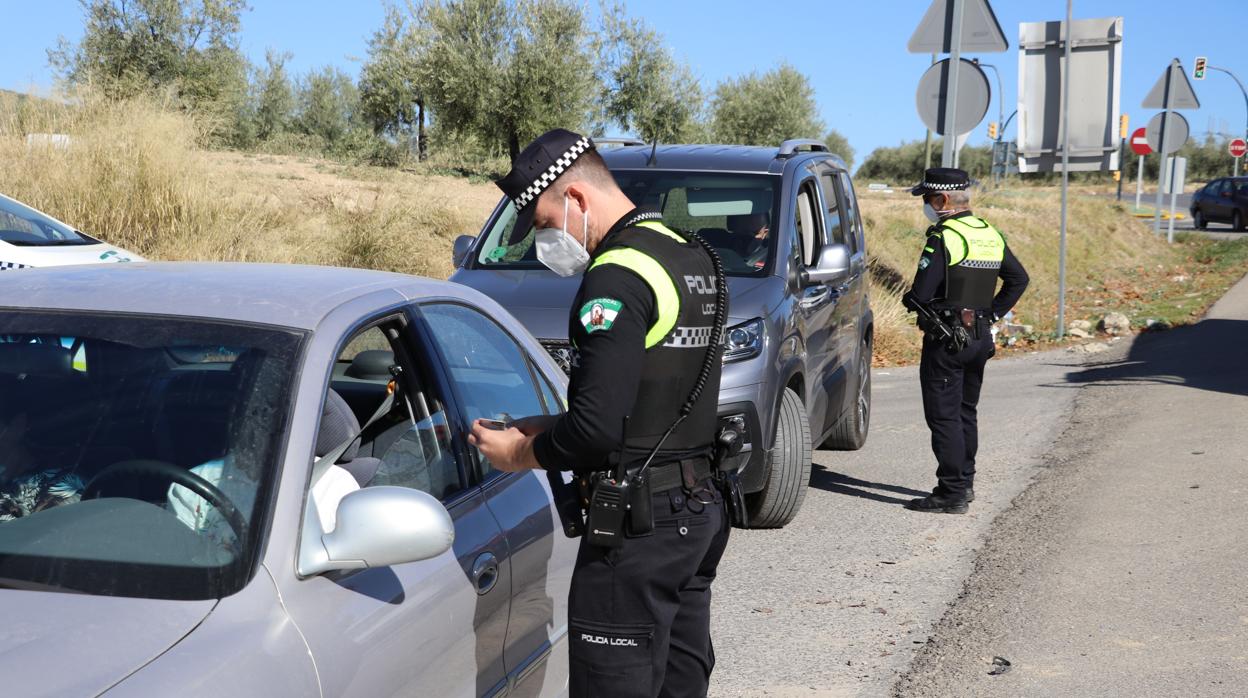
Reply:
x=137, y=454
x=832, y=208
x=554, y=399
x=489, y=371
x=406, y=439
x=806, y=222
x=853, y=219
x=24, y=226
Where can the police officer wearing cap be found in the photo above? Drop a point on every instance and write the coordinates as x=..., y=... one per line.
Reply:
x=641, y=328
x=955, y=293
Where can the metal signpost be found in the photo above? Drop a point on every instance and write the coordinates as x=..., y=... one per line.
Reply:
x=1139, y=146
x=954, y=26
x=1172, y=91
x=1069, y=85
x=1237, y=147
x=1176, y=172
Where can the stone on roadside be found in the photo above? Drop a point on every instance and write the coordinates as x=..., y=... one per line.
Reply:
x=1157, y=325
x=1079, y=333
x=1085, y=325
x=1090, y=348
x=1115, y=324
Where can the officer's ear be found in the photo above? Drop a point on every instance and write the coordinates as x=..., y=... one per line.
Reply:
x=576, y=192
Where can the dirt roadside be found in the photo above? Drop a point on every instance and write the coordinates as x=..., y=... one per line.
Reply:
x=1120, y=570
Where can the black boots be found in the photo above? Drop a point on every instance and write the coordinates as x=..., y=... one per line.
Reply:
x=941, y=504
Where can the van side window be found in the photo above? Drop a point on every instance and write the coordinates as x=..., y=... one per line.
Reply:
x=853, y=219
x=809, y=235
x=836, y=232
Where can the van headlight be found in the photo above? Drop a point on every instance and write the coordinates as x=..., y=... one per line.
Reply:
x=744, y=341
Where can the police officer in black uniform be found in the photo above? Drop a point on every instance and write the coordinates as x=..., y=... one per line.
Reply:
x=955, y=294
x=641, y=328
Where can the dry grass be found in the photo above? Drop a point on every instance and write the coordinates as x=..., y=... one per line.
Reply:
x=1105, y=245
x=134, y=175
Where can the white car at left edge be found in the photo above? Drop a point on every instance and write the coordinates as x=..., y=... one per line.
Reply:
x=30, y=238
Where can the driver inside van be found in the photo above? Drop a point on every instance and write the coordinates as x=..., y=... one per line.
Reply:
x=749, y=235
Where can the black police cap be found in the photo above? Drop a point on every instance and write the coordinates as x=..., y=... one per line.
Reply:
x=535, y=169
x=941, y=179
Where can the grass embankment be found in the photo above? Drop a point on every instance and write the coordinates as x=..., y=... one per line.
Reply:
x=135, y=176
x=1113, y=263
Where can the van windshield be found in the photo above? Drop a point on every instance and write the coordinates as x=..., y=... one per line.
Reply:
x=735, y=213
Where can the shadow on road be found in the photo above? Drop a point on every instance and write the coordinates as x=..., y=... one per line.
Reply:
x=1206, y=356
x=829, y=481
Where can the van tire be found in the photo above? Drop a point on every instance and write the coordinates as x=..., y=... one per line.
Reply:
x=850, y=431
x=788, y=467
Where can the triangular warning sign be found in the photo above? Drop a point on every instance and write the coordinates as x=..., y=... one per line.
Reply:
x=1174, y=79
x=981, y=33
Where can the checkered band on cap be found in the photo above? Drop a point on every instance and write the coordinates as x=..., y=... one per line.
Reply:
x=547, y=178
x=941, y=187
x=11, y=265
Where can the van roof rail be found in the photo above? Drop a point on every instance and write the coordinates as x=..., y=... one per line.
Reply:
x=792, y=146
x=618, y=141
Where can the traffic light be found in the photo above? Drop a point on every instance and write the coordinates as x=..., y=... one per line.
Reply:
x=992, y=130
x=1122, y=126
x=1199, y=71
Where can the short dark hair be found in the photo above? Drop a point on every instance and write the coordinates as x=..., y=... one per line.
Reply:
x=591, y=168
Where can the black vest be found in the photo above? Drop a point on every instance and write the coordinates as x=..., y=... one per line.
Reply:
x=682, y=278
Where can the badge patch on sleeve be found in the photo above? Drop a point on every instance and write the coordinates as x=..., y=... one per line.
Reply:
x=599, y=313
x=923, y=262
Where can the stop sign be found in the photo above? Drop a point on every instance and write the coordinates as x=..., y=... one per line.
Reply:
x=1238, y=147
x=1139, y=142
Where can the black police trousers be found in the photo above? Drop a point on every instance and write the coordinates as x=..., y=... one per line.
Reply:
x=639, y=616
x=951, y=385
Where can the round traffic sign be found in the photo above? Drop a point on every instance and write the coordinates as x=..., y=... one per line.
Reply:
x=1174, y=140
x=1139, y=142
x=1238, y=147
x=972, y=98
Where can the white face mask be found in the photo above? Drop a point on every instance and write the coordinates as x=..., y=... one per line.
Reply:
x=559, y=251
x=932, y=213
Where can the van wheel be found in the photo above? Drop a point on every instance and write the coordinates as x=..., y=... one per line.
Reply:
x=850, y=431
x=1237, y=222
x=788, y=467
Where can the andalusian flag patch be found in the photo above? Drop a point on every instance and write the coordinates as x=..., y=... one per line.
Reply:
x=599, y=313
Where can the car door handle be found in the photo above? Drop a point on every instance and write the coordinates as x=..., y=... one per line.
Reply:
x=485, y=572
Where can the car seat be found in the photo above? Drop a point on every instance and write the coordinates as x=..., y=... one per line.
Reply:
x=338, y=426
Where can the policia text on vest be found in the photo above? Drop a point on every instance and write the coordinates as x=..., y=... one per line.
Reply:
x=955, y=292
x=641, y=325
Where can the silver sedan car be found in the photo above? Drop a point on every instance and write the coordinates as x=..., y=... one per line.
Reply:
x=243, y=480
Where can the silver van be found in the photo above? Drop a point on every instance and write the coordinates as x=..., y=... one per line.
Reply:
x=797, y=352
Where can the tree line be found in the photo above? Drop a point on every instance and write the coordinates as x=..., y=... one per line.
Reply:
x=473, y=77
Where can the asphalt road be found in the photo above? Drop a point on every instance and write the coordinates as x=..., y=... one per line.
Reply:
x=1121, y=571
x=1218, y=231
x=839, y=601
x=1118, y=572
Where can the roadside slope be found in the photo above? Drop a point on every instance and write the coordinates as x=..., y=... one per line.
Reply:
x=1120, y=571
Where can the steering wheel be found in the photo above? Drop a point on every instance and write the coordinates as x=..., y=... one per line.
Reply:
x=179, y=476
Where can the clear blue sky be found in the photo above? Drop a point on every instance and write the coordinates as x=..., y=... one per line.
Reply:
x=854, y=52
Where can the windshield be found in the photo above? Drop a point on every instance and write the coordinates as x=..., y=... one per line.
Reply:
x=24, y=226
x=733, y=212
x=137, y=453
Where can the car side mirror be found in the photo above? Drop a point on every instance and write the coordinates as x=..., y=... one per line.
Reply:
x=459, y=251
x=376, y=527
x=832, y=267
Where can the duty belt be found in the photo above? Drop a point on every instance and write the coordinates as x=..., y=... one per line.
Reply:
x=669, y=476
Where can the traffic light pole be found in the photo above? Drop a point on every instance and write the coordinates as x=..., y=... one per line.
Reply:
x=1245, y=91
